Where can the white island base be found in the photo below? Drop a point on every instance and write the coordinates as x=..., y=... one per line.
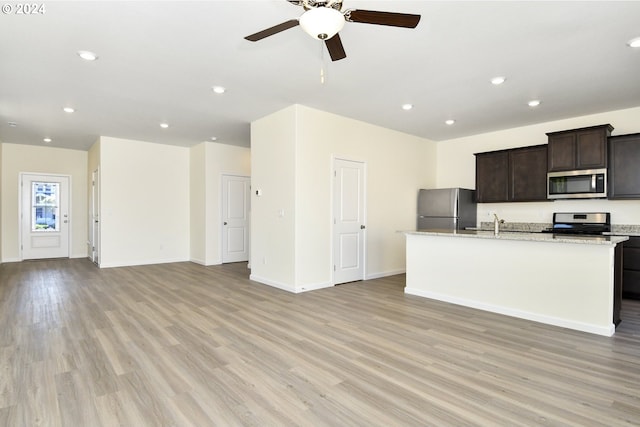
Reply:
x=567, y=282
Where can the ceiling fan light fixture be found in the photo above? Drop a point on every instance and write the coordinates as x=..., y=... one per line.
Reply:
x=87, y=55
x=322, y=23
x=634, y=42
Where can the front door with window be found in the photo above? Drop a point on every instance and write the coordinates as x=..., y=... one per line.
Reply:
x=44, y=218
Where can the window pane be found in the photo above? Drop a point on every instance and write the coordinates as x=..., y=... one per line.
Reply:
x=44, y=206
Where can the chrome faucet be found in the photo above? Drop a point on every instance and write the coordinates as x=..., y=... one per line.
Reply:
x=496, y=224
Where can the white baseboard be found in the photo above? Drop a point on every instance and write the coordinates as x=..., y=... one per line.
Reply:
x=204, y=263
x=271, y=283
x=313, y=287
x=289, y=288
x=549, y=320
x=146, y=262
x=384, y=274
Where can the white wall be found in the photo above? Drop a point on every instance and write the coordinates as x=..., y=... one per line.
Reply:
x=456, y=168
x=208, y=162
x=1, y=239
x=273, y=172
x=397, y=165
x=198, y=201
x=144, y=202
x=292, y=155
x=18, y=158
x=93, y=163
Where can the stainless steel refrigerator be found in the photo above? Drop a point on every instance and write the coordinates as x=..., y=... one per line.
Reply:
x=446, y=208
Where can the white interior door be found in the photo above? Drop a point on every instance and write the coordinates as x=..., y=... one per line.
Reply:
x=235, y=218
x=44, y=216
x=94, y=218
x=348, y=220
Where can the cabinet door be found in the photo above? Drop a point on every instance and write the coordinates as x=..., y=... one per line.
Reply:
x=562, y=152
x=631, y=265
x=624, y=167
x=492, y=177
x=591, y=149
x=528, y=174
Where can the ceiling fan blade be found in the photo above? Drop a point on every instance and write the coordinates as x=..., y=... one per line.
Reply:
x=336, y=50
x=273, y=30
x=382, y=18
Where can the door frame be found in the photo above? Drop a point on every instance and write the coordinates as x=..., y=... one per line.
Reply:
x=332, y=213
x=21, y=213
x=94, y=218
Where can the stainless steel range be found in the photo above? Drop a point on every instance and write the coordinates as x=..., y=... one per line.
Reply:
x=590, y=223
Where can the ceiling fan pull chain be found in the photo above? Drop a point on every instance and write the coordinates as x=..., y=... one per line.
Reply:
x=322, y=79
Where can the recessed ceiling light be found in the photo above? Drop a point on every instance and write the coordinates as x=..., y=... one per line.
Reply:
x=450, y=122
x=534, y=103
x=47, y=140
x=498, y=80
x=214, y=138
x=68, y=110
x=407, y=107
x=634, y=42
x=87, y=56
x=219, y=89
x=164, y=125
x=12, y=124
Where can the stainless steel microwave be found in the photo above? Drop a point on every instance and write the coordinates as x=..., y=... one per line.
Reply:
x=577, y=184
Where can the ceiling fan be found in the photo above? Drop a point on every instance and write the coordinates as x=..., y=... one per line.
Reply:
x=323, y=20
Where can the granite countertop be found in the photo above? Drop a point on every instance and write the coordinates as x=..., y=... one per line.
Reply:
x=622, y=233
x=534, y=227
x=524, y=236
x=624, y=230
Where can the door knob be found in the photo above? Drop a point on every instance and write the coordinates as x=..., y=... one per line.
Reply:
x=224, y=223
x=362, y=227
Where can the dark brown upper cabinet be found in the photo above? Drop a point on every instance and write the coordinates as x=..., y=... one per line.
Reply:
x=492, y=179
x=528, y=174
x=624, y=167
x=584, y=148
x=515, y=175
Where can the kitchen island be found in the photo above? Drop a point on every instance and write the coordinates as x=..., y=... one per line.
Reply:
x=568, y=281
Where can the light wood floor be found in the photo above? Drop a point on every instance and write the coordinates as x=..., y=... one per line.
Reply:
x=187, y=345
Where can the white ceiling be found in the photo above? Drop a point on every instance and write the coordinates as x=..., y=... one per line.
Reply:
x=158, y=61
